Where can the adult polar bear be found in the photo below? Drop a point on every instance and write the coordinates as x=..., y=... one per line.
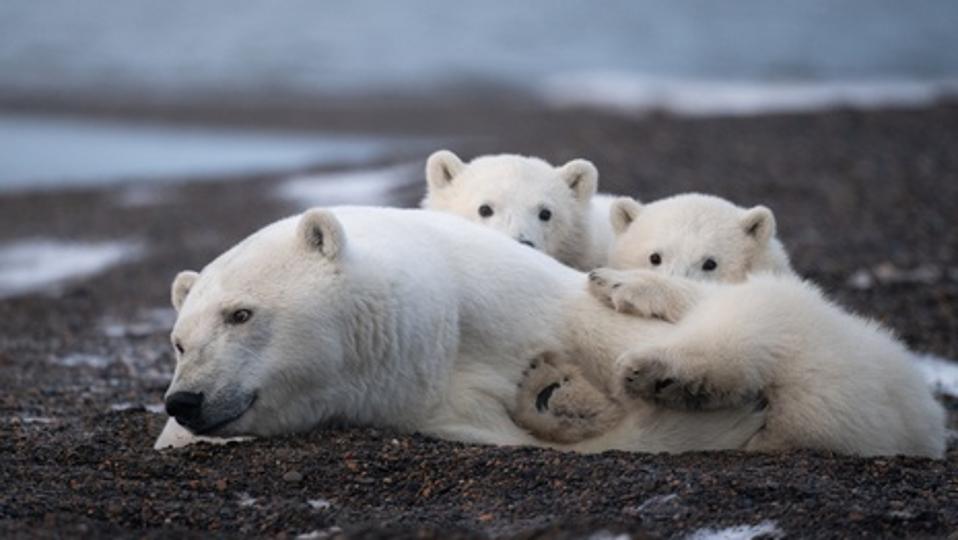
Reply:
x=404, y=318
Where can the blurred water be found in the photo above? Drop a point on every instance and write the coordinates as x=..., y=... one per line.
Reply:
x=249, y=47
x=42, y=152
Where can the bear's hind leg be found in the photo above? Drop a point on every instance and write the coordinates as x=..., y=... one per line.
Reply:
x=556, y=403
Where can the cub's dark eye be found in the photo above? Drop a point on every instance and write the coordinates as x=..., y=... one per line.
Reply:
x=655, y=259
x=240, y=316
x=485, y=210
x=545, y=214
x=709, y=265
x=179, y=347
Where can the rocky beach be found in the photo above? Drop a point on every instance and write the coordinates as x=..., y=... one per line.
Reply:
x=866, y=203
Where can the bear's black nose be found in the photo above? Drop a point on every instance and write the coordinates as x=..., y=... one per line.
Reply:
x=184, y=406
x=526, y=243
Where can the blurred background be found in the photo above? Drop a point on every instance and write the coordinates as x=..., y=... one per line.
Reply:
x=426, y=66
x=139, y=138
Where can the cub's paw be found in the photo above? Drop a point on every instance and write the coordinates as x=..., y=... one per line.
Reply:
x=556, y=403
x=655, y=376
x=603, y=283
x=638, y=292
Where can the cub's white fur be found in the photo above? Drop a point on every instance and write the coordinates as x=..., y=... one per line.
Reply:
x=832, y=380
x=686, y=231
x=404, y=318
x=553, y=209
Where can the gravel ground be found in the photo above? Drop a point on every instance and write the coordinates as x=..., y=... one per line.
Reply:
x=866, y=202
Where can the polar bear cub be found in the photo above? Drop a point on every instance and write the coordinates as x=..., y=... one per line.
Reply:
x=696, y=236
x=552, y=209
x=831, y=379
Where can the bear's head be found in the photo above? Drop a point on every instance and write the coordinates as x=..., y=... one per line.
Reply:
x=696, y=236
x=538, y=205
x=258, y=332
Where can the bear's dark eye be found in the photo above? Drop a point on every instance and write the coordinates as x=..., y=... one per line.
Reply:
x=179, y=347
x=709, y=264
x=545, y=214
x=655, y=259
x=485, y=210
x=240, y=316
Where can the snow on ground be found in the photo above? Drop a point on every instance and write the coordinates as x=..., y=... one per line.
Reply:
x=359, y=186
x=765, y=529
x=32, y=265
x=941, y=373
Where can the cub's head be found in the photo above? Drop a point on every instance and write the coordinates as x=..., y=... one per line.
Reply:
x=538, y=205
x=696, y=236
x=257, y=336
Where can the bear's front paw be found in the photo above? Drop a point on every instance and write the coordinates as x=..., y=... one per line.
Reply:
x=556, y=403
x=652, y=376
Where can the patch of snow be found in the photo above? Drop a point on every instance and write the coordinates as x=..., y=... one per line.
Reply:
x=357, y=186
x=146, y=323
x=606, y=535
x=941, y=373
x=318, y=504
x=83, y=360
x=632, y=92
x=176, y=436
x=27, y=419
x=742, y=532
x=320, y=534
x=27, y=266
x=155, y=408
x=245, y=500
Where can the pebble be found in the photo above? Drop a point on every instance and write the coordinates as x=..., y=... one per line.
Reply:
x=293, y=477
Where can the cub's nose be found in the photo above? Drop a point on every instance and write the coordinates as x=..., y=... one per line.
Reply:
x=525, y=242
x=184, y=406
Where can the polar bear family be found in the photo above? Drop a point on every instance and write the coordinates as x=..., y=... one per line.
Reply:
x=702, y=338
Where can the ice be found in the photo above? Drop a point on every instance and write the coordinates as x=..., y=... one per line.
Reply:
x=359, y=186
x=765, y=529
x=635, y=93
x=31, y=265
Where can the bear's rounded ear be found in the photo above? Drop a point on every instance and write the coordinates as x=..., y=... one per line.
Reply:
x=759, y=224
x=182, y=284
x=582, y=177
x=623, y=212
x=319, y=230
x=441, y=167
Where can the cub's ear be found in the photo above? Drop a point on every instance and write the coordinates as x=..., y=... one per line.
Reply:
x=441, y=167
x=182, y=284
x=582, y=177
x=319, y=230
x=623, y=212
x=759, y=224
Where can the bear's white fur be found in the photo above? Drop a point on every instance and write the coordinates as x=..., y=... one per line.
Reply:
x=424, y=322
x=519, y=192
x=410, y=319
x=833, y=380
x=684, y=232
